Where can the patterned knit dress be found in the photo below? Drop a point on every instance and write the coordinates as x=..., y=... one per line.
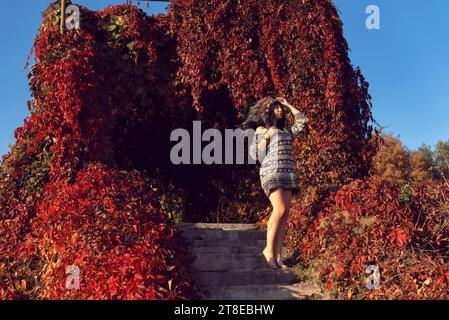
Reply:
x=277, y=168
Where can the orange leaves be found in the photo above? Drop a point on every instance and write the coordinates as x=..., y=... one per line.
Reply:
x=340, y=270
x=392, y=162
x=398, y=236
x=329, y=284
x=443, y=278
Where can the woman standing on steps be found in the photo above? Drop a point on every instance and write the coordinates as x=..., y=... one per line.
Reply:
x=272, y=145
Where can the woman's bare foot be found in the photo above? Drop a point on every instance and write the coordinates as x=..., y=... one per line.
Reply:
x=269, y=257
x=281, y=264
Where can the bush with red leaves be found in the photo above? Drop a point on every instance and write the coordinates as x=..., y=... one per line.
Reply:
x=108, y=225
x=403, y=231
x=63, y=197
x=240, y=51
x=105, y=99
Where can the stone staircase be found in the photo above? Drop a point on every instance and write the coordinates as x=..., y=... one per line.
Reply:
x=228, y=266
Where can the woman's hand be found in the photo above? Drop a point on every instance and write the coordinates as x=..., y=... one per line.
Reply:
x=283, y=101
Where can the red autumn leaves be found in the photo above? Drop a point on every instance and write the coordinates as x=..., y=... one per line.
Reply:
x=69, y=194
x=64, y=201
x=398, y=237
x=375, y=222
x=107, y=225
x=288, y=47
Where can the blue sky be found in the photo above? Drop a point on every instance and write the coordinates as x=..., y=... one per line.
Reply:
x=405, y=62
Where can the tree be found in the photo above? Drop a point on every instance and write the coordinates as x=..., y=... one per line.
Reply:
x=441, y=157
x=420, y=170
x=427, y=156
x=392, y=160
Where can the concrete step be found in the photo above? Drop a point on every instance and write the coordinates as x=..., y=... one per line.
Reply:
x=233, y=261
x=243, y=277
x=224, y=250
x=212, y=226
x=227, y=265
x=227, y=243
x=233, y=249
x=219, y=234
x=298, y=291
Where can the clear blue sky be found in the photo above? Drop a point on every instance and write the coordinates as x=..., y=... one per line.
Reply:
x=405, y=62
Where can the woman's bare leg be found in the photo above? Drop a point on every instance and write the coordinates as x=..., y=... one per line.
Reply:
x=280, y=234
x=279, y=209
x=269, y=226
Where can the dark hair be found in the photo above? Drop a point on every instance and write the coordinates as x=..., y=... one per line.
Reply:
x=269, y=118
x=259, y=114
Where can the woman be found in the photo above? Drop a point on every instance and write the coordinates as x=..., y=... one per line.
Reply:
x=272, y=145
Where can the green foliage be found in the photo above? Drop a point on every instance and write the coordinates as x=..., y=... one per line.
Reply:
x=441, y=156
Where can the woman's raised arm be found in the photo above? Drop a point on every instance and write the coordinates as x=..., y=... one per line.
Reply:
x=300, y=118
x=298, y=126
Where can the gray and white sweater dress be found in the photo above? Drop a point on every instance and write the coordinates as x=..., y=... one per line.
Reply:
x=277, y=168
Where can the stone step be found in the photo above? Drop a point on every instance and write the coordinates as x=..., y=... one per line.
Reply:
x=212, y=226
x=298, y=291
x=234, y=249
x=227, y=265
x=224, y=250
x=233, y=261
x=243, y=277
x=227, y=243
x=219, y=234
